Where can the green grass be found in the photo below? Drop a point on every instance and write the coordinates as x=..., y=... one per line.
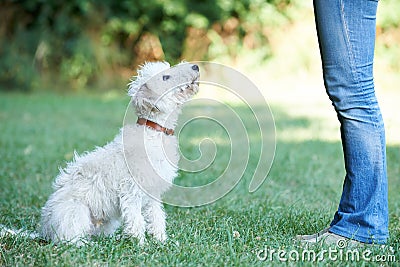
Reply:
x=39, y=133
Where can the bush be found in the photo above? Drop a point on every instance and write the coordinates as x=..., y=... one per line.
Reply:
x=71, y=42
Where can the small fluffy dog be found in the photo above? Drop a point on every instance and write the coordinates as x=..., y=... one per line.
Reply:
x=123, y=181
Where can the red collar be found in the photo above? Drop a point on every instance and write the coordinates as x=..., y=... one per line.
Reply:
x=155, y=126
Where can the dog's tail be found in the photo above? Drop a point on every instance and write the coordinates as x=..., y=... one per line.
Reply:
x=4, y=231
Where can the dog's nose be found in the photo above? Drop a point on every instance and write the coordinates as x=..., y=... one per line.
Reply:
x=195, y=67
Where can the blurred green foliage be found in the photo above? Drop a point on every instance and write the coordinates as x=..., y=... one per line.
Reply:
x=73, y=42
x=94, y=43
x=389, y=15
x=389, y=33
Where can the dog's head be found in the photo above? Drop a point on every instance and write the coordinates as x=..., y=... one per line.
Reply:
x=159, y=88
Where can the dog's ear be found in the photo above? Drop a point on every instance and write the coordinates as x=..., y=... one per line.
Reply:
x=141, y=98
x=133, y=87
x=145, y=73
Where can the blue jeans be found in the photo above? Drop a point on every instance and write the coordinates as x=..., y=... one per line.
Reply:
x=346, y=35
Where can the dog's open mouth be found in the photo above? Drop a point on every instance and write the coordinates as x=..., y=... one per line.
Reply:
x=194, y=84
x=196, y=81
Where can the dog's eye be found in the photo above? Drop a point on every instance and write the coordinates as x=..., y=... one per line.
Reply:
x=166, y=77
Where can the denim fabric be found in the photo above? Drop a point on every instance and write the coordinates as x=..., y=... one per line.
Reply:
x=346, y=35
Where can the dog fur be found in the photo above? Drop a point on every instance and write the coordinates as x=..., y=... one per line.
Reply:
x=123, y=181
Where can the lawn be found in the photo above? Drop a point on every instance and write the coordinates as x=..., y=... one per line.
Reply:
x=39, y=133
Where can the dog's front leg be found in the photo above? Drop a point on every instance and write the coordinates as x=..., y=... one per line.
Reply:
x=155, y=219
x=131, y=206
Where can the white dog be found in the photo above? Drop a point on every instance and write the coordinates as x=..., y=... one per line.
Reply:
x=123, y=181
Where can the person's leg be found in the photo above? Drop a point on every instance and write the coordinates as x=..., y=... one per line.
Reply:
x=346, y=35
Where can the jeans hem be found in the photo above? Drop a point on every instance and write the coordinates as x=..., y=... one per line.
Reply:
x=381, y=240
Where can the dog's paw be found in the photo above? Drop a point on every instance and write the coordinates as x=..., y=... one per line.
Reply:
x=157, y=231
x=138, y=236
x=135, y=236
x=160, y=236
x=137, y=232
x=141, y=240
